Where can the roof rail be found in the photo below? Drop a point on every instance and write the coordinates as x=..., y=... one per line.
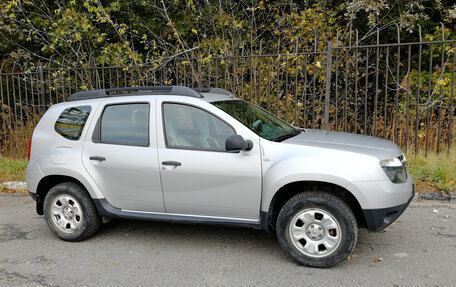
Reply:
x=116, y=92
x=214, y=90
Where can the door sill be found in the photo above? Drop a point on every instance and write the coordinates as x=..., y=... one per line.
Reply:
x=107, y=210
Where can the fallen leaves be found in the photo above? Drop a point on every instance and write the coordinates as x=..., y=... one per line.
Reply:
x=352, y=256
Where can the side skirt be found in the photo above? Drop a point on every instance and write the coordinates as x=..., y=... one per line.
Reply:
x=105, y=209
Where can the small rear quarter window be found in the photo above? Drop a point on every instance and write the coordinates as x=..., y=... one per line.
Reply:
x=71, y=122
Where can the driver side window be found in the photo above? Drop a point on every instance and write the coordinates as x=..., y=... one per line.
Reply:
x=189, y=127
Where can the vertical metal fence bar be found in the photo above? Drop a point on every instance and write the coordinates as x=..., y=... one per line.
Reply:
x=28, y=113
x=328, y=85
x=21, y=116
x=235, y=76
x=304, y=101
x=428, y=107
x=396, y=102
x=365, y=91
x=418, y=95
x=295, y=116
x=32, y=99
x=251, y=78
x=336, y=90
x=407, y=100
x=385, y=108
x=346, y=105
x=355, y=112
x=377, y=62
x=217, y=74
x=269, y=84
x=242, y=73
x=63, y=96
x=278, y=87
x=450, y=138
x=439, y=113
x=259, y=79
x=314, y=79
x=9, y=112
x=226, y=73
x=110, y=78
x=16, y=128
x=286, y=88
x=208, y=84
x=4, y=127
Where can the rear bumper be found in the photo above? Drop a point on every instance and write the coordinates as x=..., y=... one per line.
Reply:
x=378, y=219
x=32, y=195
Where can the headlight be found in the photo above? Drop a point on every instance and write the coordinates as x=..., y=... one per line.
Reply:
x=395, y=169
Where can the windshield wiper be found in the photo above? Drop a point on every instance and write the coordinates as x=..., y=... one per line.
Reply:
x=287, y=136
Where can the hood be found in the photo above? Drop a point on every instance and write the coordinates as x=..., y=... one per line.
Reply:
x=368, y=145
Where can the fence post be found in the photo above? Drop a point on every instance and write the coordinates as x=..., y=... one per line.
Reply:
x=328, y=84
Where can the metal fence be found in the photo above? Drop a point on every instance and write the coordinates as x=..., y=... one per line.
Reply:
x=399, y=91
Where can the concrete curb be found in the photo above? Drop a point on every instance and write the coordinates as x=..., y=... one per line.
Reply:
x=14, y=185
x=436, y=197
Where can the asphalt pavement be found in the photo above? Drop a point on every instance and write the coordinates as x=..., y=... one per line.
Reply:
x=419, y=249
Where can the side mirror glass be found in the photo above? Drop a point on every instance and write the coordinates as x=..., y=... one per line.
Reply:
x=236, y=143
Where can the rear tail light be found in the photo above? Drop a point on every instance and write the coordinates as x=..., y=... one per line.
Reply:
x=29, y=148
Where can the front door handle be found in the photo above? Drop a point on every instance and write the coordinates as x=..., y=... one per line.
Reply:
x=100, y=158
x=170, y=162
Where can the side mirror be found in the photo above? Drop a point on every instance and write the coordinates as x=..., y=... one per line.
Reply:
x=236, y=143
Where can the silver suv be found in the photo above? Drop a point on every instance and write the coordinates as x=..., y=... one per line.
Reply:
x=204, y=156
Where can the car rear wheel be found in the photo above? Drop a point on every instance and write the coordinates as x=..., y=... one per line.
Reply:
x=317, y=229
x=70, y=213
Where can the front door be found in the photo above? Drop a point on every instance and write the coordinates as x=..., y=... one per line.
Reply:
x=198, y=176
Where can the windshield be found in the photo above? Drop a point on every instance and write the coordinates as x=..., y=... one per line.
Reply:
x=258, y=120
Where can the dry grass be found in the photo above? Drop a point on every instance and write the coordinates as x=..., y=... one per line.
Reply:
x=12, y=169
x=436, y=172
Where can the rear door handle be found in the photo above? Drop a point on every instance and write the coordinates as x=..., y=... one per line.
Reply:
x=100, y=158
x=170, y=162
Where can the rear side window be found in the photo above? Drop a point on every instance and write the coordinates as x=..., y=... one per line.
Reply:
x=126, y=124
x=71, y=122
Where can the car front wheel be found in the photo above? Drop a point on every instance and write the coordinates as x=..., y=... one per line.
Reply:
x=317, y=229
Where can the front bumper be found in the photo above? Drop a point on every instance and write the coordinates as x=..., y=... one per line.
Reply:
x=378, y=219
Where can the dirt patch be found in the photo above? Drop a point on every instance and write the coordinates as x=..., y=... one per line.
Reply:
x=425, y=187
x=12, y=191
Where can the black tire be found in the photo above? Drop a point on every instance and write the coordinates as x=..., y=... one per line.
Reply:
x=333, y=206
x=90, y=221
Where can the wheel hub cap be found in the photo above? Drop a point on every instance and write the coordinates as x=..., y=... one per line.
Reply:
x=315, y=232
x=66, y=213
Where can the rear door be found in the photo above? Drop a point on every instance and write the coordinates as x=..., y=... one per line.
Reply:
x=121, y=154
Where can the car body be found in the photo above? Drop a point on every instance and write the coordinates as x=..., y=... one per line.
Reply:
x=198, y=155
